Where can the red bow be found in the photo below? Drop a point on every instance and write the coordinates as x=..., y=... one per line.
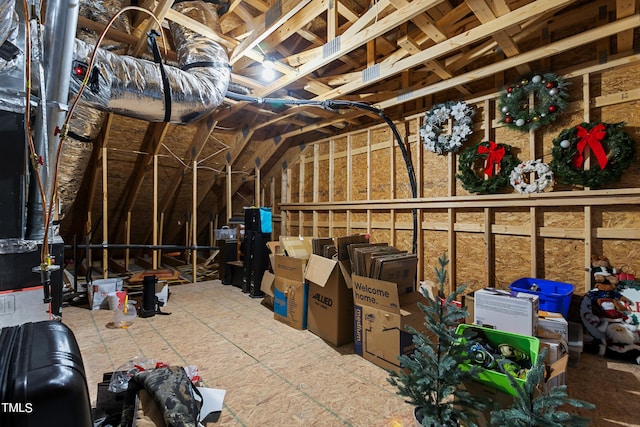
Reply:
x=593, y=139
x=495, y=154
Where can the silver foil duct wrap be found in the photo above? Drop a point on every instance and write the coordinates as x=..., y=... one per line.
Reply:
x=12, y=82
x=135, y=87
x=8, y=20
x=86, y=121
x=73, y=163
x=84, y=126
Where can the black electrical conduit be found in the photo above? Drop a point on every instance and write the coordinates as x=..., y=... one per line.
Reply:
x=334, y=106
x=151, y=247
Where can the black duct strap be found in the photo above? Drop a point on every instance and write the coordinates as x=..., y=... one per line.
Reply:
x=203, y=64
x=157, y=58
x=79, y=137
x=8, y=51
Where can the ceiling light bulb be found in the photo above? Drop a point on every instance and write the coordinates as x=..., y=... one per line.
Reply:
x=268, y=73
x=267, y=63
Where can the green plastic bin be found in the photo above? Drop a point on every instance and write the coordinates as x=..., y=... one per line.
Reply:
x=530, y=345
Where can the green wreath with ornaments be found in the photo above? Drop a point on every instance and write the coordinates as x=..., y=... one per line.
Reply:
x=486, y=167
x=550, y=99
x=612, y=152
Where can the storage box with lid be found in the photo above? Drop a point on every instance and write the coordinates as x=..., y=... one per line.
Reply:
x=554, y=296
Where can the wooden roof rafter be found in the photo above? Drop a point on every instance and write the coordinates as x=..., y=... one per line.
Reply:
x=558, y=46
x=359, y=34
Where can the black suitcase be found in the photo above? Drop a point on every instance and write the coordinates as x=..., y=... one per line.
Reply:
x=42, y=378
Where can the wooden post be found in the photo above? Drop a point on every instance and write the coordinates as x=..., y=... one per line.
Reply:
x=128, y=242
x=303, y=160
x=194, y=222
x=89, y=251
x=229, y=198
x=256, y=187
x=155, y=211
x=105, y=215
x=588, y=219
x=332, y=170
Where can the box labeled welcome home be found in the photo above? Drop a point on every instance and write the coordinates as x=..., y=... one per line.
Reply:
x=381, y=316
x=330, y=304
x=290, y=291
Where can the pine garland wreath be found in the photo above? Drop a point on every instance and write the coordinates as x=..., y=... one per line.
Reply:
x=612, y=152
x=550, y=99
x=498, y=162
x=460, y=115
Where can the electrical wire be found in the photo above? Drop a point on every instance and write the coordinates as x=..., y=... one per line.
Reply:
x=336, y=105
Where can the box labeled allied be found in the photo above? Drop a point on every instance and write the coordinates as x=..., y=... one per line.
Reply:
x=506, y=311
x=330, y=305
x=290, y=291
x=381, y=316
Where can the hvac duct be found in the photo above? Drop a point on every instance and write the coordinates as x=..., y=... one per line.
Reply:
x=12, y=79
x=86, y=122
x=57, y=56
x=134, y=87
x=146, y=90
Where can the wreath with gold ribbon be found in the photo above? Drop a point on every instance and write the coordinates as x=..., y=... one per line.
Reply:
x=612, y=151
x=486, y=167
x=550, y=99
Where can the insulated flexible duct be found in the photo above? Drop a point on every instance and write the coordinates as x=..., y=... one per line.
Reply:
x=12, y=95
x=7, y=19
x=133, y=87
x=137, y=88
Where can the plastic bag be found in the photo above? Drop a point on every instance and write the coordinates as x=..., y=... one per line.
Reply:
x=193, y=374
x=120, y=378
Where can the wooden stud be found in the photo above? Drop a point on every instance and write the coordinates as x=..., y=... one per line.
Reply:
x=105, y=215
x=194, y=222
x=316, y=185
x=588, y=219
x=369, y=177
x=155, y=211
x=332, y=146
x=229, y=194
x=301, y=189
x=128, y=242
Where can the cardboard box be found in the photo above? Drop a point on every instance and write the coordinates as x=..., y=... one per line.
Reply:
x=290, y=291
x=296, y=246
x=497, y=309
x=552, y=325
x=468, y=302
x=557, y=349
x=266, y=286
x=381, y=316
x=330, y=305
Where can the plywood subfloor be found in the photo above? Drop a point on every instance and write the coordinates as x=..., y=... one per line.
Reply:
x=275, y=375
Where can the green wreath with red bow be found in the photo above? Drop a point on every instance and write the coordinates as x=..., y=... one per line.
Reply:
x=612, y=152
x=486, y=167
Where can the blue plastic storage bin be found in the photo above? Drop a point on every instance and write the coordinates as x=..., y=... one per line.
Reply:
x=553, y=296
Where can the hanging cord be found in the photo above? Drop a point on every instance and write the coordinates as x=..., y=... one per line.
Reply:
x=37, y=160
x=64, y=129
x=335, y=106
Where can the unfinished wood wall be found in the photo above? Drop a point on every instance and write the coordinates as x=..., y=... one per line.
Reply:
x=358, y=183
